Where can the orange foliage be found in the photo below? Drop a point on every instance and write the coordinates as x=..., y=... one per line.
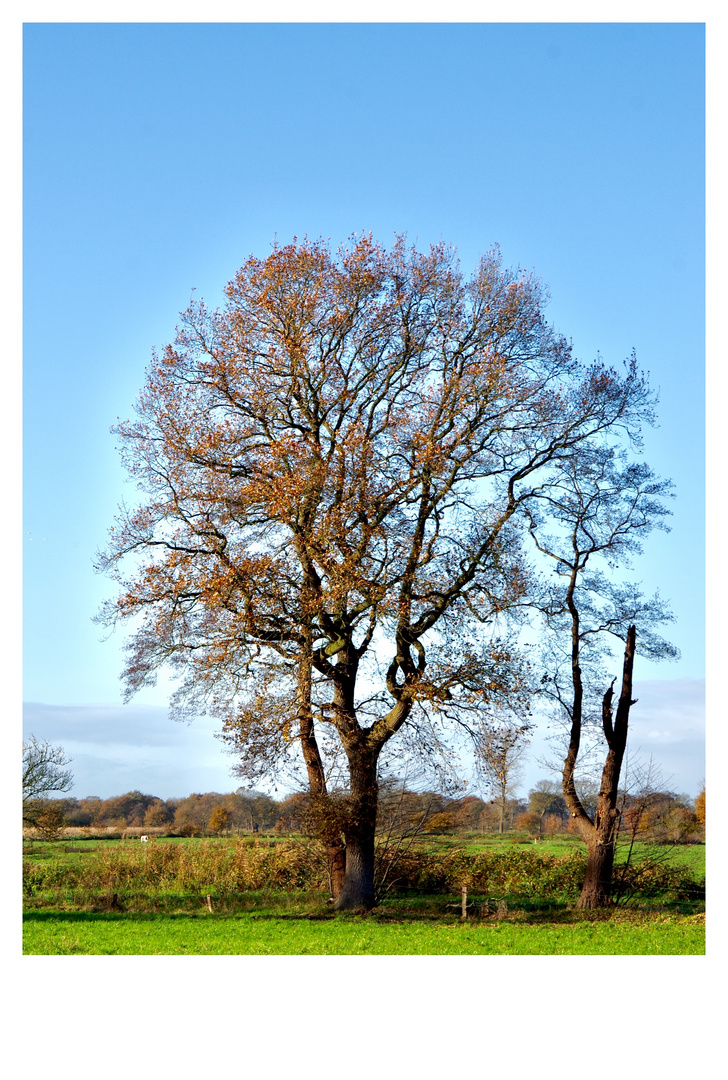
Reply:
x=333, y=465
x=700, y=807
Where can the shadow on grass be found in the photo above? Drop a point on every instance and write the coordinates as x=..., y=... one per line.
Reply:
x=392, y=913
x=104, y=916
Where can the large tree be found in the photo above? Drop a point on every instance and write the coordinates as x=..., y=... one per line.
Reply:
x=588, y=521
x=333, y=468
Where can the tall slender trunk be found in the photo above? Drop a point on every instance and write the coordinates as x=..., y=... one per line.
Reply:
x=600, y=834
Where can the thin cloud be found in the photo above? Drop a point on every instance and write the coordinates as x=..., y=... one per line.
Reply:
x=118, y=748
x=667, y=724
x=123, y=748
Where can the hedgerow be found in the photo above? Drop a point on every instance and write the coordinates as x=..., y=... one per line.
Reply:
x=229, y=867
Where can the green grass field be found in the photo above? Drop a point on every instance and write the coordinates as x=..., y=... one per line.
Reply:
x=67, y=933
x=117, y=898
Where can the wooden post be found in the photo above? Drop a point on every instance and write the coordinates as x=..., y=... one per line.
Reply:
x=209, y=903
x=465, y=903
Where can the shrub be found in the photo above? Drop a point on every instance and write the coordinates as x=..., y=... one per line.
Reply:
x=517, y=871
x=49, y=822
x=219, y=820
x=530, y=822
x=234, y=866
x=651, y=878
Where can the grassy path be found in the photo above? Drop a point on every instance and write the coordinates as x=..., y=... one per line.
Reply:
x=62, y=933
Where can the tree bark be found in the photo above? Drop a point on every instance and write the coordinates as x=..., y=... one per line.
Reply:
x=330, y=836
x=601, y=834
x=357, y=893
x=595, y=892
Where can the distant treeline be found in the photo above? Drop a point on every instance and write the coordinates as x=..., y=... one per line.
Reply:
x=662, y=816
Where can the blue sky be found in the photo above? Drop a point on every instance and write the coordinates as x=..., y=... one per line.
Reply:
x=158, y=156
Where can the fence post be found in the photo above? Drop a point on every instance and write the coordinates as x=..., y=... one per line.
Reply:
x=465, y=903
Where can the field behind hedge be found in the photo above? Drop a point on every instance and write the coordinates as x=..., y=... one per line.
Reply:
x=229, y=875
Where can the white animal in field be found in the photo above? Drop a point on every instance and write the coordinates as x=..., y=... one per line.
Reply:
x=144, y=839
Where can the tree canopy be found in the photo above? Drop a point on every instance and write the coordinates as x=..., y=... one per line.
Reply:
x=336, y=466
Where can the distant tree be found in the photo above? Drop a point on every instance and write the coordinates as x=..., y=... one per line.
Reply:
x=192, y=816
x=700, y=807
x=665, y=817
x=490, y=815
x=293, y=812
x=402, y=811
x=682, y=824
x=44, y=771
x=596, y=508
x=70, y=808
x=552, y=823
x=242, y=809
x=186, y=820
x=75, y=812
x=468, y=811
x=529, y=822
x=219, y=820
x=157, y=815
x=489, y=820
x=127, y=810
x=444, y=821
x=498, y=755
x=49, y=820
x=547, y=801
x=546, y=798
x=264, y=810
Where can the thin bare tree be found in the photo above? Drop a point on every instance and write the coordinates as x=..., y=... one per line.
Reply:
x=498, y=757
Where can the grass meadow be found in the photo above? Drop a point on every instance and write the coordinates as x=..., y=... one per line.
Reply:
x=204, y=934
x=267, y=896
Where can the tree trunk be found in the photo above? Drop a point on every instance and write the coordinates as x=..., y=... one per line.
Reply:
x=595, y=892
x=357, y=893
x=600, y=834
x=330, y=837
